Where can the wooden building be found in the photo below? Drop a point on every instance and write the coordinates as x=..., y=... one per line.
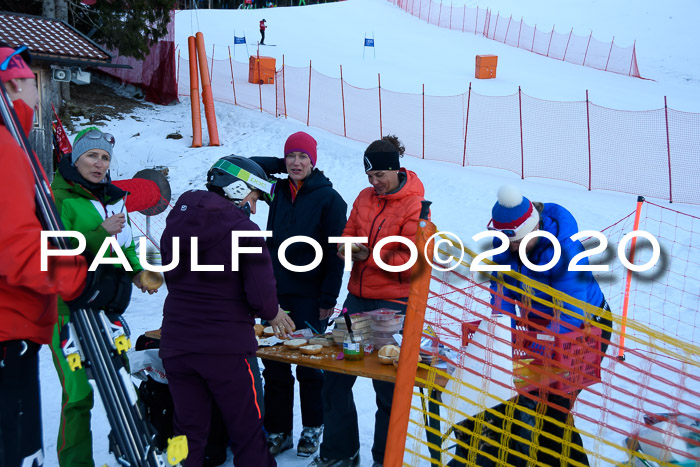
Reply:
x=60, y=54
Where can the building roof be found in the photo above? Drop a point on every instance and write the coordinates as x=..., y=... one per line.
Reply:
x=51, y=40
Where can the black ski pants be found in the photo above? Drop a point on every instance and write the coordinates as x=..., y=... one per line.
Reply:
x=279, y=382
x=20, y=404
x=341, y=435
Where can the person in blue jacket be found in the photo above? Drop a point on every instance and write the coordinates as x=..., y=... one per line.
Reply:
x=516, y=216
x=305, y=203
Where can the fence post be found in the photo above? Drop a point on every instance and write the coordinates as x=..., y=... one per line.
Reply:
x=668, y=148
x=487, y=19
x=439, y=14
x=634, y=56
x=532, y=46
x=628, y=281
x=507, y=29
x=423, y=151
x=588, y=128
x=451, y=15
x=466, y=126
x=259, y=78
x=284, y=87
x=587, y=45
x=177, y=74
x=522, y=151
x=520, y=29
x=495, y=29
x=308, y=103
x=420, y=9
x=476, y=20
x=379, y=81
x=609, y=53
x=342, y=97
x=413, y=328
x=551, y=35
x=233, y=81
x=429, y=7
x=567, y=44
x=464, y=16
x=211, y=72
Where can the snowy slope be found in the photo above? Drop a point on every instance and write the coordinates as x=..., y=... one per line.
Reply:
x=409, y=53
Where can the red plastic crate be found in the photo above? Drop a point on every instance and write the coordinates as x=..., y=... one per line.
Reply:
x=574, y=357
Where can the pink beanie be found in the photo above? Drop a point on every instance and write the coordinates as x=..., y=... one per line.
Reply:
x=301, y=142
x=16, y=67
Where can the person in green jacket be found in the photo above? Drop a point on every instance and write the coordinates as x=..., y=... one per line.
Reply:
x=89, y=203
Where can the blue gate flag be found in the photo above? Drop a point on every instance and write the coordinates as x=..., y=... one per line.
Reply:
x=238, y=40
x=369, y=42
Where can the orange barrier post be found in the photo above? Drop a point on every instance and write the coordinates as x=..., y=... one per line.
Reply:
x=207, y=96
x=412, y=331
x=194, y=95
x=628, y=281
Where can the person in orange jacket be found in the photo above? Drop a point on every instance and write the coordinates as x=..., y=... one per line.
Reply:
x=391, y=206
x=28, y=295
x=263, y=26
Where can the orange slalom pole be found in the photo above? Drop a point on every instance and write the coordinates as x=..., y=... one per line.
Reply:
x=412, y=331
x=194, y=95
x=628, y=281
x=207, y=96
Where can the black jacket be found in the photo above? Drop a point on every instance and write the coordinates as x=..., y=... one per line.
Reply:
x=318, y=212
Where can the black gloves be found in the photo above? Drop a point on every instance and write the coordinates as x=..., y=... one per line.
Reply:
x=107, y=287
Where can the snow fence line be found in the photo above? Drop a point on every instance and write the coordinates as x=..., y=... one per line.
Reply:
x=651, y=153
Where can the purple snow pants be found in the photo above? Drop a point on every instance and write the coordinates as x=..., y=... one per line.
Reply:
x=196, y=379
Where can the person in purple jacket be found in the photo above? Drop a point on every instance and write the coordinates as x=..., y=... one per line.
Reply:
x=208, y=316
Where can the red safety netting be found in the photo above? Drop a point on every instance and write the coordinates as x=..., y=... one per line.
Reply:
x=580, y=50
x=667, y=296
x=156, y=74
x=478, y=374
x=651, y=153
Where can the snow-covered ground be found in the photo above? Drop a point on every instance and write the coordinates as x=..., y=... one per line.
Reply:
x=408, y=53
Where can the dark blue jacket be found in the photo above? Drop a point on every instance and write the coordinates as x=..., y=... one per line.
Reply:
x=318, y=212
x=581, y=285
x=213, y=311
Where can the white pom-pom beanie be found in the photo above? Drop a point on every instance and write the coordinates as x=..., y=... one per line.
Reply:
x=514, y=212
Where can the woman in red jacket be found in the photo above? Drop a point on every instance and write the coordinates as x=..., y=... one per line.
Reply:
x=391, y=206
x=28, y=295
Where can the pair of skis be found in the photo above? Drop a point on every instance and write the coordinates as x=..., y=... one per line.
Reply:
x=95, y=341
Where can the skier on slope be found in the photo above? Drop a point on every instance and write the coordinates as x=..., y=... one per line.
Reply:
x=28, y=294
x=263, y=26
x=208, y=316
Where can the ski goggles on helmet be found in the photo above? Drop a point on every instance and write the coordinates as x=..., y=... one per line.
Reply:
x=22, y=51
x=97, y=134
x=257, y=183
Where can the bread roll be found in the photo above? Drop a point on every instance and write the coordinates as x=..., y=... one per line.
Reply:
x=152, y=280
x=294, y=343
x=391, y=351
x=259, y=328
x=310, y=349
x=268, y=331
